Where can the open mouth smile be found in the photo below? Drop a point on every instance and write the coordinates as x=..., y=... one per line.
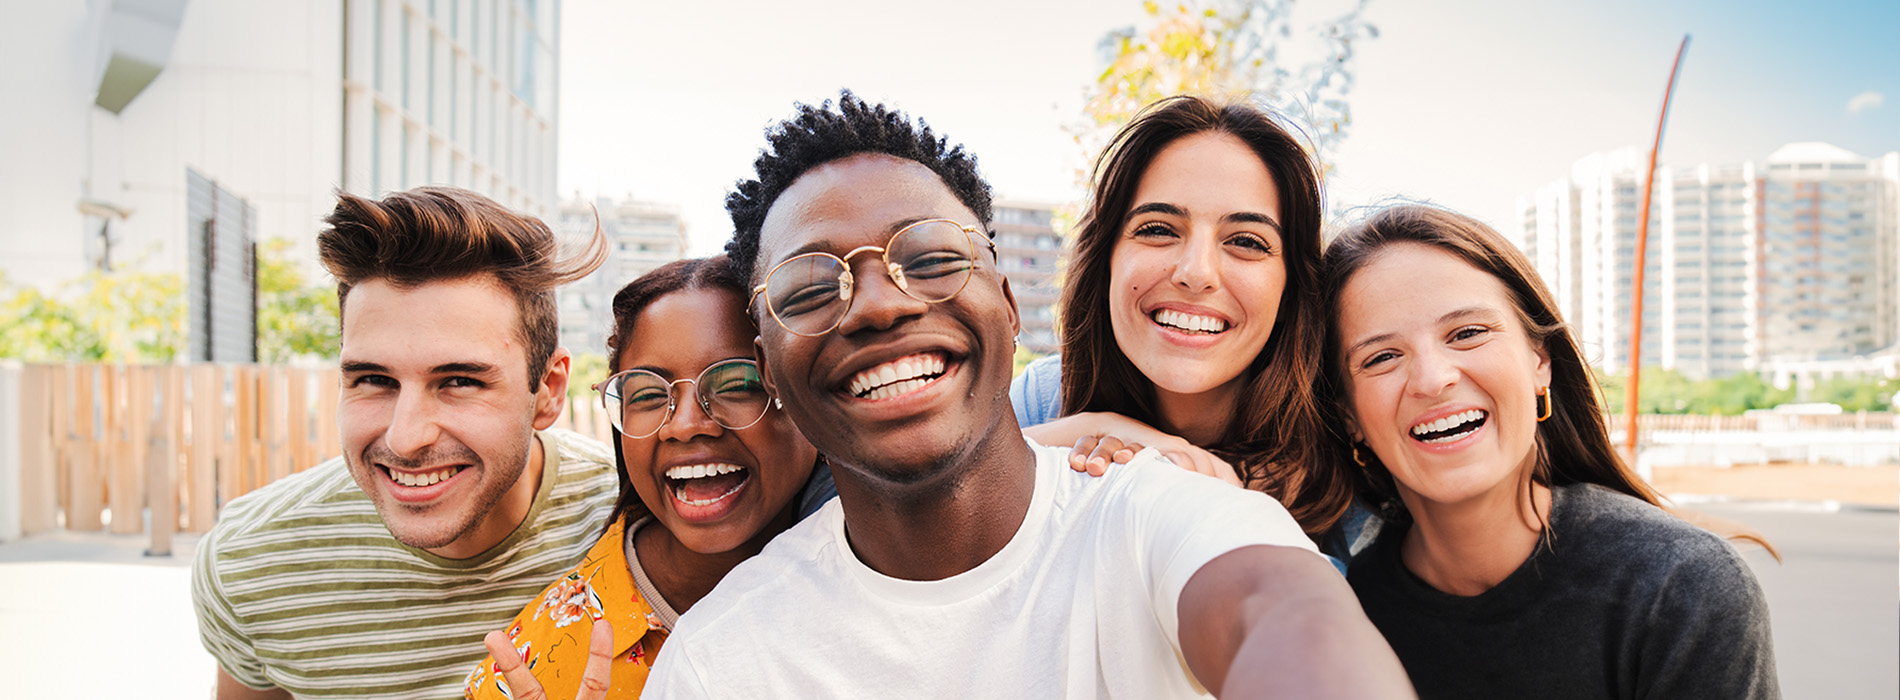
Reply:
x=1450, y=428
x=1188, y=323
x=898, y=377
x=424, y=478
x=703, y=485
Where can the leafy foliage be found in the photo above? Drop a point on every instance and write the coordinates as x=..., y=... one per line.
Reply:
x=1667, y=391
x=295, y=319
x=1224, y=48
x=99, y=317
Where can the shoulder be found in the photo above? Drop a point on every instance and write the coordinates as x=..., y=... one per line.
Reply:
x=1159, y=500
x=1651, y=545
x=794, y=570
x=1037, y=392
x=316, y=499
x=583, y=468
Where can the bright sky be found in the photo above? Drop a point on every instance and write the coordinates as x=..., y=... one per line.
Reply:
x=1469, y=104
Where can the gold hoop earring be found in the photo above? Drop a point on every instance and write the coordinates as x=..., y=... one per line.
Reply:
x=1544, y=408
x=1356, y=457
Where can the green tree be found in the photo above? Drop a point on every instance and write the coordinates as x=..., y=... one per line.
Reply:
x=1217, y=48
x=99, y=317
x=1856, y=393
x=1668, y=391
x=294, y=317
x=583, y=371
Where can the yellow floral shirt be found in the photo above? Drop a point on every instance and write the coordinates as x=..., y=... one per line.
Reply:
x=551, y=633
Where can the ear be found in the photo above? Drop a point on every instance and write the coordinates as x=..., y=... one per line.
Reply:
x=1543, y=364
x=1015, y=316
x=551, y=398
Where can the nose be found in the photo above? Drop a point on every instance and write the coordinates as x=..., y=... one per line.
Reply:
x=689, y=420
x=414, y=424
x=1197, y=268
x=1433, y=371
x=876, y=301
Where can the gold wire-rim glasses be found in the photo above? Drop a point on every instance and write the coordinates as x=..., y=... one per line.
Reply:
x=616, y=414
x=893, y=271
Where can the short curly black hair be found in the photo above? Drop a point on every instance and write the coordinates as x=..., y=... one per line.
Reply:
x=819, y=135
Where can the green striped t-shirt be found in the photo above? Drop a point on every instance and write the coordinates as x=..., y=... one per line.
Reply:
x=301, y=587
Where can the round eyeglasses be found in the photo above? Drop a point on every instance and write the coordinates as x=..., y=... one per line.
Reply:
x=929, y=261
x=638, y=401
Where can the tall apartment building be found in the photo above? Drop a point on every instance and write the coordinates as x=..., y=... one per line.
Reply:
x=151, y=131
x=641, y=236
x=1028, y=250
x=1793, y=258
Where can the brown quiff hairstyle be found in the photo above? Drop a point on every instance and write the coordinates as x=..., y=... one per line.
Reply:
x=1274, y=430
x=440, y=234
x=1573, y=445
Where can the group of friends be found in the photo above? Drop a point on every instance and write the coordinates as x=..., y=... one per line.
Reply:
x=1259, y=467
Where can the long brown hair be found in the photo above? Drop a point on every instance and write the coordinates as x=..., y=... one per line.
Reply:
x=715, y=273
x=1573, y=445
x=1274, y=429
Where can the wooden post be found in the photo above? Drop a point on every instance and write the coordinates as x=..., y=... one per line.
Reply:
x=84, y=489
x=329, y=441
x=207, y=433
x=161, y=463
x=129, y=397
x=59, y=399
x=39, y=472
x=297, y=395
x=278, y=400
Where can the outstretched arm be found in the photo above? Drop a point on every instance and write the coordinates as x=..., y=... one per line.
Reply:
x=1265, y=621
x=1100, y=438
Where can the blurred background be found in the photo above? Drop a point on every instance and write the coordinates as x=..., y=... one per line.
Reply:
x=167, y=339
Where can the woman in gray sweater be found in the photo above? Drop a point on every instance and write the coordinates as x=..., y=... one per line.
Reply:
x=1521, y=556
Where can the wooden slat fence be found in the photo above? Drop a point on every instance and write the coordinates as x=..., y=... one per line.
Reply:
x=158, y=448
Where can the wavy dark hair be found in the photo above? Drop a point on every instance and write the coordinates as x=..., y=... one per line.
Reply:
x=716, y=274
x=433, y=234
x=1273, y=432
x=819, y=135
x=1576, y=433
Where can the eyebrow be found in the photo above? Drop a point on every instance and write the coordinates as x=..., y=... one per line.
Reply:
x=1453, y=315
x=1248, y=217
x=819, y=246
x=364, y=367
x=668, y=374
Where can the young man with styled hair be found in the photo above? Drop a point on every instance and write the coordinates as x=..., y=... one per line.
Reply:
x=375, y=575
x=961, y=560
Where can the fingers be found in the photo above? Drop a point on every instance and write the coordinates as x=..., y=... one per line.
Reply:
x=596, y=678
x=520, y=679
x=1094, y=453
x=1225, y=472
x=1079, y=457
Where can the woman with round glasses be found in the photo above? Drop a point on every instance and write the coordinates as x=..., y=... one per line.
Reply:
x=710, y=470
x=1190, y=310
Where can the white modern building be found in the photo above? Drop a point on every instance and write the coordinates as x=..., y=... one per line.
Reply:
x=641, y=236
x=1029, y=251
x=134, y=123
x=1791, y=259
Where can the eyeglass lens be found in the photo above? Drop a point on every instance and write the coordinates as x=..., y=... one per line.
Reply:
x=730, y=392
x=809, y=294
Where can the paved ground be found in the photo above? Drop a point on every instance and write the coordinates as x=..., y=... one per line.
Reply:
x=76, y=605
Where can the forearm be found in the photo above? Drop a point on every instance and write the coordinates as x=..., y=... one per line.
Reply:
x=230, y=689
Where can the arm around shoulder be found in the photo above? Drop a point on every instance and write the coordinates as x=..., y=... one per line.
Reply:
x=1267, y=621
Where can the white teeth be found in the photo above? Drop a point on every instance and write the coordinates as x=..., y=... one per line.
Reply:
x=700, y=471
x=1189, y=322
x=415, y=479
x=897, y=376
x=1447, y=423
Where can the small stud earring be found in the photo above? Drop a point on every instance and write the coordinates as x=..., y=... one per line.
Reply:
x=778, y=404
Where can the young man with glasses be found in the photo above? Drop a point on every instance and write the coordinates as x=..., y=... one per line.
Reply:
x=376, y=574
x=961, y=560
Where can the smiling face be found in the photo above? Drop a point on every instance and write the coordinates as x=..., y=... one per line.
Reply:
x=902, y=387
x=437, y=413
x=714, y=488
x=1443, y=377
x=1197, y=273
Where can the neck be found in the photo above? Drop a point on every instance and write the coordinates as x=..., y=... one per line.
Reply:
x=684, y=576
x=1469, y=547
x=932, y=531
x=1198, y=418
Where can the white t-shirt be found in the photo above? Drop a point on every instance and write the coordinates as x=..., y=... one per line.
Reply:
x=1081, y=603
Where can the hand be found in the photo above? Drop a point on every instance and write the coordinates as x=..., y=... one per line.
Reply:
x=594, y=678
x=1093, y=454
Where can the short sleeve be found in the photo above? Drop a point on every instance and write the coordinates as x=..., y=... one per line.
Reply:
x=1181, y=521
x=1709, y=634
x=1036, y=394
x=217, y=624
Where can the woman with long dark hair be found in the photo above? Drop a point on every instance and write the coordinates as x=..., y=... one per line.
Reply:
x=1189, y=307
x=1520, y=556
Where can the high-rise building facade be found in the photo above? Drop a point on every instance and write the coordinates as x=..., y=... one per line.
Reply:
x=274, y=103
x=641, y=236
x=1793, y=258
x=1029, y=250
